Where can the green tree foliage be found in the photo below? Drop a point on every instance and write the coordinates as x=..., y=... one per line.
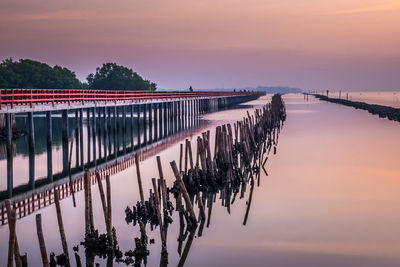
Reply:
x=114, y=77
x=27, y=73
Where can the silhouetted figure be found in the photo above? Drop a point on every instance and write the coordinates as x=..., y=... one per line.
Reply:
x=191, y=89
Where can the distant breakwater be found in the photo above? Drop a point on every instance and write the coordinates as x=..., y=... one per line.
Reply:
x=382, y=111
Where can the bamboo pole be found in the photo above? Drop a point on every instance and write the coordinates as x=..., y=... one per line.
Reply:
x=139, y=178
x=188, y=144
x=185, y=194
x=180, y=157
x=42, y=244
x=61, y=227
x=163, y=187
x=162, y=234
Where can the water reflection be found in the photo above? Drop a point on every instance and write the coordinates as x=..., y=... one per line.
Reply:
x=237, y=160
x=75, y=141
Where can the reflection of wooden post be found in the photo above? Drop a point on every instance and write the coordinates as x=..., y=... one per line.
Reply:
x=61, y=226
x=16, y=246
x=185, y=194
x=159, y=213
x=139, y=178
x=201, y=206
x=11, y=242
x=42, y=244
x=109, y=211
x=187, y=248
x=102, y=197
x=88, y=226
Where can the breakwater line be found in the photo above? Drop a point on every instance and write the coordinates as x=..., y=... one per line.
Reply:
x=382, y=111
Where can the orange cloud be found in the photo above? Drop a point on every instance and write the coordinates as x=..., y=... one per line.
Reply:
x=379, y=8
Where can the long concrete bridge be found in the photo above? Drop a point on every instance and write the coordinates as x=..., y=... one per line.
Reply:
x=117, y=123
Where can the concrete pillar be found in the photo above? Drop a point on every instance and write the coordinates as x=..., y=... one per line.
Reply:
x=145, y=124
x=165, y=118
x=115, y=130
x=99, y=132
x=77, y=138
x=124, y=129
x=150, y=109
x=155, y=110
x=82, y=157
x=160, y=120
x=65, y=148
x=10, y=156
x=138, y=125
x=105, y=133
x=88, y=134
x=31, y=144
x=109, y=128
x=49, y=146
x=94, y=130
x=132, y=144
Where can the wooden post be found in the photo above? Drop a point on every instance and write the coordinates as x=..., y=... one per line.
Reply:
x=17, y=256
x=139, y=178
x=185, y=194
x=42, y=244
x=12, y=238
x=188, y=144
x=163, y=187
x=61, y=226
x=153, y=180
x=180, y=158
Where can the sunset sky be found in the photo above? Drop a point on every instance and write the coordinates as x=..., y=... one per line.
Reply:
x=324, y=44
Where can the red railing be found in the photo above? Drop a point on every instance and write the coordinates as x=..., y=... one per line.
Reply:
x=32, y=97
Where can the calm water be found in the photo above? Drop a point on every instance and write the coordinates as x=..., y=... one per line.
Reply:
x=331, y=198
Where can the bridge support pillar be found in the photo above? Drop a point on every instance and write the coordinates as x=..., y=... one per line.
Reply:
x=94, y=130
x=77, y=139
x=10, y=156
x=31, y=143
x=155, y=109
x=124, y=129
x=105, y=132
x=145, y=124
x=131, y=120
x=88, y=134
x=49, y=146
x=115, y=132
x=150, y=109
x=99, y=132
x=138, y=125
x=82, y=158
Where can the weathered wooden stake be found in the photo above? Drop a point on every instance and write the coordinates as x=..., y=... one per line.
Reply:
x=185, y=194
x=42, y=244
x=61, y=227
x=11, y=241
x=139, y=178
x=17, y=256
x=163, y=187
